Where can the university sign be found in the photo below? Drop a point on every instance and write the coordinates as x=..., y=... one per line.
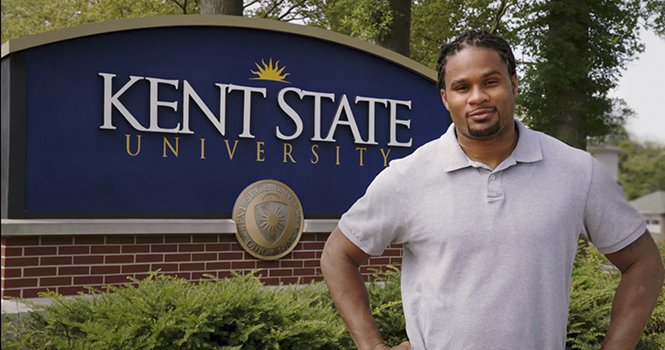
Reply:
x=182, y=117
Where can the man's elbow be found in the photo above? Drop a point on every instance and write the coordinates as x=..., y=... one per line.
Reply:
x=325, y=259
x=330, y=258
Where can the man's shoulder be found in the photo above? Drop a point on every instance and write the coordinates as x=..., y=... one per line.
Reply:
x=559, y=153
x=424, y=156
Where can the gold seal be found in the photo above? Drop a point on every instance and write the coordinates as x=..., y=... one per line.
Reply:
x=269, y=219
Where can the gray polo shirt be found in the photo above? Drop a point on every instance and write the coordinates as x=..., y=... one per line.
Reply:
x=488, y=254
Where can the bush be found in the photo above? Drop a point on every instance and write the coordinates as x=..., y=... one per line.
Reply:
x=240, y=313
x=167, y=313
x=385, y=299
x=592, y=291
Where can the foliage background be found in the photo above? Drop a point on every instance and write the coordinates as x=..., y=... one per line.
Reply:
x=641, y=167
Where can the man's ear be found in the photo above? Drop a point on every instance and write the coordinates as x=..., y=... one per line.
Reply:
x=513, y=82
x=444, y=98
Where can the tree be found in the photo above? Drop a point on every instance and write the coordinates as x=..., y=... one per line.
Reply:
x=397, y=37
x=578, y=49
x=281, y=10
x=383, y=22
x=25, y=17
x=187, y=6
x=435, y=22
x=222, y=7
x=654, y=15
x=368, y=20
x=641, y=167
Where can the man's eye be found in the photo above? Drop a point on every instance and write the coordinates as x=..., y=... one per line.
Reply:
x=462, y=88
x=492, y=82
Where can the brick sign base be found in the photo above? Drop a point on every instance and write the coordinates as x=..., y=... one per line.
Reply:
x=69, y=264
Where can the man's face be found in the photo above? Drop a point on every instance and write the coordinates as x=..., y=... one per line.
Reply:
x=480, y=93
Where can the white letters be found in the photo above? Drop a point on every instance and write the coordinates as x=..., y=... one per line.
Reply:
x=189, y=93
x=317, y=110
x=351, y=122
x=290, y=112
x=111, y=100
x=394, y=121
x=247, y=107
x=371, y=116
x=155, y=103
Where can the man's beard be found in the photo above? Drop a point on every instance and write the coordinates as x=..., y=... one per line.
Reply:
x=486, y=132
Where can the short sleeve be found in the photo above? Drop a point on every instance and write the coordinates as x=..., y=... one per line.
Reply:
x=610, y=222
x=374, y=221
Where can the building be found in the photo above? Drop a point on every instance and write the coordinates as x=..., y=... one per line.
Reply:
x=652, y=207
x=608, y=156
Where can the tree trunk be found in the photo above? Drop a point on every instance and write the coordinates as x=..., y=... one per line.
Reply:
x=399, y=38
x=568, y=49
x=221, y=7
x=571, y=126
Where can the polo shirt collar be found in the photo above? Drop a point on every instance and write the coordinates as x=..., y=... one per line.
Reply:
x=528, y=150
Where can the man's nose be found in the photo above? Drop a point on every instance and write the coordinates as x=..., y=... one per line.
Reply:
x=478, y=95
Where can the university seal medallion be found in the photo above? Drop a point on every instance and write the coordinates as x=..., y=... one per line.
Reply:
x=269, y=219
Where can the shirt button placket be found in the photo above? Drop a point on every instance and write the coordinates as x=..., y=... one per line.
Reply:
x=494, y=192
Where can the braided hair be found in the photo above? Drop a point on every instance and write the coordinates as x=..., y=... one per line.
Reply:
x=474, y=38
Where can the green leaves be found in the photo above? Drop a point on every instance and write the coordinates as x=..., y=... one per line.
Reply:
x=592, y=291
x=435, y=22
x=578, y=49
x=164, y=313
x=641, y=167
x=241, y=314
x=364, y=19
x=25, y=17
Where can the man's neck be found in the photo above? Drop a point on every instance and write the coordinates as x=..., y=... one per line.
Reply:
x=492, y=151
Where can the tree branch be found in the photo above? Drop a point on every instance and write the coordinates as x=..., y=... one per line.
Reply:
x=428, y=38
x=296, y=4
x=182, y=7
x=499, y=14
x=294, y=19
x=250, y=4
x=275, y=5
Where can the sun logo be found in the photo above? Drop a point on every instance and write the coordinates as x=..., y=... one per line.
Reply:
x=273, y=219
x=268, y=72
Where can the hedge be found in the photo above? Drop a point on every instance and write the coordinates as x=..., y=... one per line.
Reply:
x=162, y=312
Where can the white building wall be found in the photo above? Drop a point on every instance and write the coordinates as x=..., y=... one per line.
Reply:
x=654, y=223
x=608, y=156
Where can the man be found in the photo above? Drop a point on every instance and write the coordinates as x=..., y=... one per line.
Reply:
x=490, y=215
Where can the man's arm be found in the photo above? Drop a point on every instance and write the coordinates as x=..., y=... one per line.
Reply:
x=339, y=263
x=642, y=277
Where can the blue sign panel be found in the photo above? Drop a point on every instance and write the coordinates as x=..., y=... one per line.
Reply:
x=177, y=121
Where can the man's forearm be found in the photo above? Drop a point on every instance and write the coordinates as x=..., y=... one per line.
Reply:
x=350, y=296
x=633, y=304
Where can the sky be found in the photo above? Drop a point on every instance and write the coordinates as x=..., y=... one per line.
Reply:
x=642, y=86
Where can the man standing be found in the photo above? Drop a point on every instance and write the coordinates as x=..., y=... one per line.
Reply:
x=490, y=215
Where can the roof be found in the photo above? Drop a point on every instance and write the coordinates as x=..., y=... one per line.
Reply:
x=652, y=203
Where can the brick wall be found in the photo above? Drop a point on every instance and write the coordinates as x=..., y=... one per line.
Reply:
x=67, y=264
